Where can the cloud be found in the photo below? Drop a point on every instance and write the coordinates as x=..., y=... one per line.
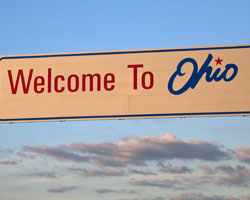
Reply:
x=159, y=198
x=199, y=196
x=239, y=178
x=228, y=169
x=179, y=183
x=226, y=175
x=24, y=155
x=8, y=162
x=135, y=151
x=224, y=168
x=104, y=191
x=111, y=162
x=156, y=183
x=140, y=149
x=60, y=153
x=51, y=174
x=6, y=150
x=245, y=197
x=176, y=169
x=156, y=198
x=195, y=181
x=206, y=169
x=243, y=154
x=145, y=173
x=62, y=189
x=98, y=173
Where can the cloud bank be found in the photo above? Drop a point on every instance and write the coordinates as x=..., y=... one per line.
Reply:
x=135, y=151
x=243, y=154
x=62, y=189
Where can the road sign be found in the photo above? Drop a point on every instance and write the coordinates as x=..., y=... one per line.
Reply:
x=179, y=82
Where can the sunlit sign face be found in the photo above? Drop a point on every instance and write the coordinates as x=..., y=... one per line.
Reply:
x=208, y=81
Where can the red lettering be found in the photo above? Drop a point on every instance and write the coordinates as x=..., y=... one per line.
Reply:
x=109, y=78
x=60, y=83
x=135, y=73
x=39, y=81
x=70, y=83
x=91, y=81
x=49, y=80
x=56, y=83
x=151, y=80
x=20, y=75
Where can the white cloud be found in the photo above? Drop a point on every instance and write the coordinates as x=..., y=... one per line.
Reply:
x=62, y=189
x=135, y=151
x=199, y=196
x=176, y=169
x=8, y=162
x=240, y=178
x=243, y=154
x=105, y=190
x=98, y=173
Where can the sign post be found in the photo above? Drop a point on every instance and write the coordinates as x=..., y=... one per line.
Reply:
x=181, y=82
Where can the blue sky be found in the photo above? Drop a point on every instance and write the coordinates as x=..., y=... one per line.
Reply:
x=58, y=160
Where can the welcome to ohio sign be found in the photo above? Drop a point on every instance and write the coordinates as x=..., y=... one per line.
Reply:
x=181, y=82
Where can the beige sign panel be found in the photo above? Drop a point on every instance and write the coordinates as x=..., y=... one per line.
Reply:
x=182, y=82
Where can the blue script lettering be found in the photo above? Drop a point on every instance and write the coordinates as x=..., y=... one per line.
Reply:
x=197, y=74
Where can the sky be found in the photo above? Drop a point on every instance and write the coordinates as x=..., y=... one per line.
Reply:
x=204, y=158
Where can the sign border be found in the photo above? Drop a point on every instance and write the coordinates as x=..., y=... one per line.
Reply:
x=12, y=120
x=180, y=115
x=124, y=52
